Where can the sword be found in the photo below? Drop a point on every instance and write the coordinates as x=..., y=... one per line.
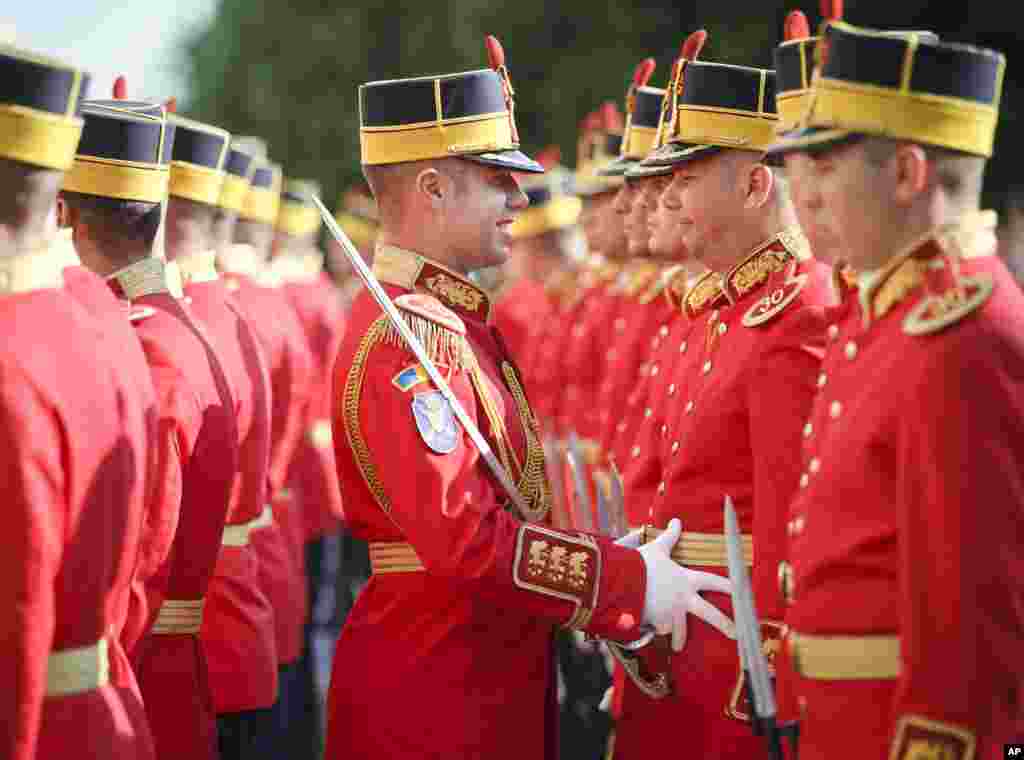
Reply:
x=382, y=299
x=620, y=525
x=582, y=500
x=748, y=636
x=553, y=464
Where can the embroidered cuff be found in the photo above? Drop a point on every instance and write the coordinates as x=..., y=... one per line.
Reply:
x=918, y=738
x=559, y=565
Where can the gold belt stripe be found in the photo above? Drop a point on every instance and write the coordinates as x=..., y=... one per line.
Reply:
x=703, y=549
x=394, y=557
x=78, y=670
x=179, y=616
x=845, y=658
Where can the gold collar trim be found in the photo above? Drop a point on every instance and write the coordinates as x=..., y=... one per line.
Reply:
x=141, y=278
x=196, y=267
x=705, y=293
x=406, y=269
x=972, y=236
x=767, y=258
x=38, y=270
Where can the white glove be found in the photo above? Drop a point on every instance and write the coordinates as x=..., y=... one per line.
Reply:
x=606, y=700
x=674, y=591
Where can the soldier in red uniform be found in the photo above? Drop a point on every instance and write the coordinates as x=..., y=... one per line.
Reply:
x=458, y=578
x=279, y=543
x=904, y=576
x=113, y=195
x=743, y=386
x=313, y=476
x=238, y=623
x=74, y=434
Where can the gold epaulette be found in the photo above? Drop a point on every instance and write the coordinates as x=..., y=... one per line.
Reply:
x=677, y=287
x=439, y=329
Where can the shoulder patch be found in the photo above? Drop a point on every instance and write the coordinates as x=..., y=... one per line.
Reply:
x=936, y=312
x=431, y=309
x=410, y=377
x=435, y=421
x=138, y=313
x=773, y=304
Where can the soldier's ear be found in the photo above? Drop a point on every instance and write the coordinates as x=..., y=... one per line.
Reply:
x=760, y=181
x=431, y=185
x=910, y=172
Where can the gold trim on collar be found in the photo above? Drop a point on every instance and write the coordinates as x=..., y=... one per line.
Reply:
x=38, y=270
x=767, y=258
x=141, y=278
x=406, y=269
x=704, y=293
x=971, y=236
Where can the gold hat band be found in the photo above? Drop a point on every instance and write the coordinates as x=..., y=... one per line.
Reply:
x=261, y=204
x=297, y=219
x=933, y=119
x=233, y=192
x=638, y=142
x=418, y=142
x=360, y=231
x=558, y=214
x=792, y=107
x=123, y=180
x=38, y=138
x=195, y=183
x=725, y=128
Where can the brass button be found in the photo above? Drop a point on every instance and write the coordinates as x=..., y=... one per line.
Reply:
x=689, y=406
x=835, y=410
x=654, y=370
x=577, y=331
x=672, y=389
x=795, y=526
x=655, y=342
x=822, y=379
x=833, y=332
x=805, y=479
x=648, y=412
x=664, y=429
x=814, y=465
x=620, y=324
x=621, y=427
x=635, y=451
x=851, y=350
x=722, y=328
x=707, y=367
x=714, y=315
x=661, y=487
x=682, y=347
x=808, y=430
x=663, y=331
x=675, y=446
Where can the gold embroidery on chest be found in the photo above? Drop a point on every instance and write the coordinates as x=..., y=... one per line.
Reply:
x=533, y=483
x=455, y=292
x=757, y=270
x=705, y=290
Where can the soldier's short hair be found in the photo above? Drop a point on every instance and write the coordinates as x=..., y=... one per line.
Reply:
x=117, y=219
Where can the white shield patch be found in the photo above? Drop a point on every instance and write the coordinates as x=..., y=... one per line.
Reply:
x=436, y=421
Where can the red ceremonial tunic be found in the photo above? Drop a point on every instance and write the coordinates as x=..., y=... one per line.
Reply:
x=73, y=432
x=520, y=313
x=278, y=545
x=544, y=371
x=743, y=386
x=905, y=534
x=447, y=652
x=238, y=621
x=313, y=475
x=198, y=432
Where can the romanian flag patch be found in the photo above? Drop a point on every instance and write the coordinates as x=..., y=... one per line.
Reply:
x=410, y=377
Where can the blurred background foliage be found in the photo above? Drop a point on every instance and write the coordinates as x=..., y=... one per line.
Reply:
x=288, y=72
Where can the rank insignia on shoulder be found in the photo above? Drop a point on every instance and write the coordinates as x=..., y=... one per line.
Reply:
x=138, y=313
x=773, y=304
x=436, y=421
x=410, y=377
x=918, y=738
x=937, y=311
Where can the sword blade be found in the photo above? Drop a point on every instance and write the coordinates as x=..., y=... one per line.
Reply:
x=748, y=628
x=582, y=500
x=620, y=526
x=396, y=320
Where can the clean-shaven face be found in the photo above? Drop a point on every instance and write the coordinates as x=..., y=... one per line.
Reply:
x=815, y=221
x=477, y=215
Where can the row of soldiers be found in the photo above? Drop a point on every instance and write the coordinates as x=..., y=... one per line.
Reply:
x=790, y=299
x=166, y=424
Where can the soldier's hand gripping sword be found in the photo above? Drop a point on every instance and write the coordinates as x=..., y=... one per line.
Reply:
x=417, y=348
x=748, y=636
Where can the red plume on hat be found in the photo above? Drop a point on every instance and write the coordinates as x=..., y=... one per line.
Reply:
x=120, y=88
x=796, y=27
x=496, y=57
x=831, y=10
x=611, y=118
x=643, y=72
